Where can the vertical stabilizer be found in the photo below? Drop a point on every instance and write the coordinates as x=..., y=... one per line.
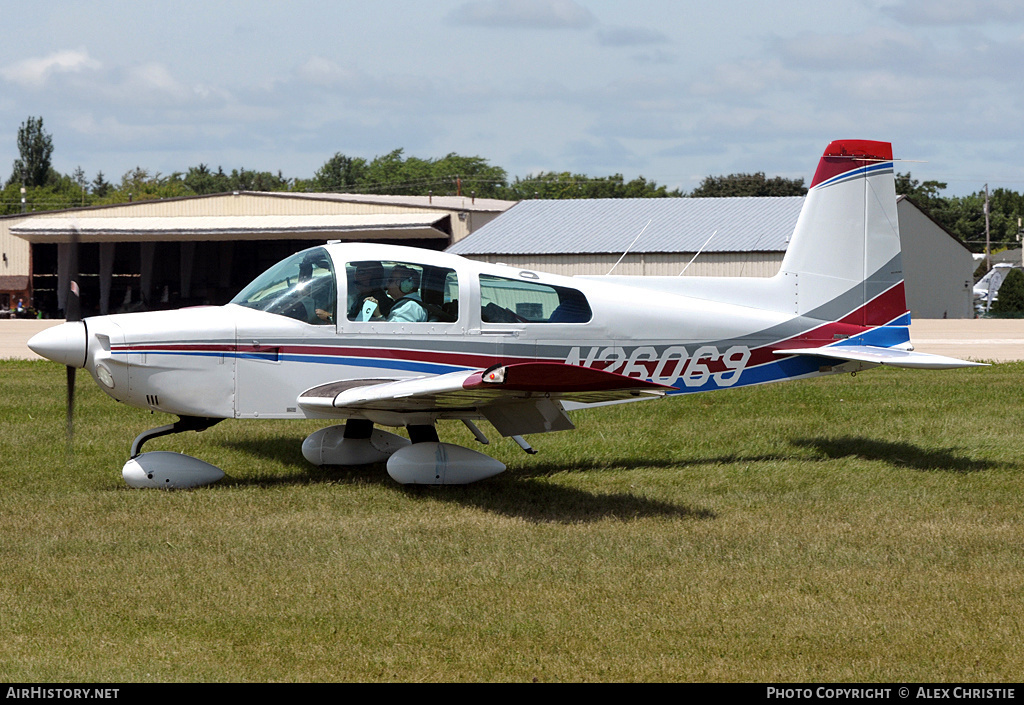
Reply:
x=844, y=257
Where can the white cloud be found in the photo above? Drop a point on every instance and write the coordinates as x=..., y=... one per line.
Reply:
x=602, y=156
x=870, y=49
x=637, y=126
x=532, y=14
x=746, y=77
x=147, y=86
x=658, y=57
x=956, y=12
x=33, y=73
x=156, y=79
x=630, y=37
x=324, y=72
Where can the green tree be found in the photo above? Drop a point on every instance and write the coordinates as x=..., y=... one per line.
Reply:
x=60, y=193
x=925, y=196
x=1010, y=301
x=394, y=173
x=78, y=176
x=470, y=175
x=339, y=174
x=748, y=185
x=964, y=216
x=1006, y=208
x=560, y=185
x=35, y=147
x=202, y=181
x=959, y=217
x=100, y=186
x=139, y=185
x=249, y=180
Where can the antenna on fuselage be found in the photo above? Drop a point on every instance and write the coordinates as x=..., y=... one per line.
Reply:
x=695, y=255
x=630, y=247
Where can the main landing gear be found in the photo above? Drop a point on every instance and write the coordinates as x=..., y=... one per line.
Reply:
x=421, y=460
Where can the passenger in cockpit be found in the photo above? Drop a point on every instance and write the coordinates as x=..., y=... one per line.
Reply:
x=407, y=305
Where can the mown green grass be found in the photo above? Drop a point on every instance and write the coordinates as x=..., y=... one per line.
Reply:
x=841, y=529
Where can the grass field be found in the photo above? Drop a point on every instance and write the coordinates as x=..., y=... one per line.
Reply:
x=864, y=528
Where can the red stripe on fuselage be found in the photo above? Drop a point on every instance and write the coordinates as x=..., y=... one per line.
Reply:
x=407, y=355
x=885, y=307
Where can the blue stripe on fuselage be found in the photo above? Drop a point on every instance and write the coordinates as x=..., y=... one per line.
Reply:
x=779, y=370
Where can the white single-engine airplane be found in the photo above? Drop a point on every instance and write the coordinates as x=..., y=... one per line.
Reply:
x=395, y=336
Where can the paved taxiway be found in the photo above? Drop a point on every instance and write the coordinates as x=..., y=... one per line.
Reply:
x=988, y=339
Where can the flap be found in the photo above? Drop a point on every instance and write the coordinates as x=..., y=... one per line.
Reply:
x=519, y=386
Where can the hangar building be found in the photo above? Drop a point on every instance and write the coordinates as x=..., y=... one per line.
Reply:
x=744, y=236
x=204, y=249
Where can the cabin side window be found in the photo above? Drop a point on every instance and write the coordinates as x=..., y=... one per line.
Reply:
x=505, y=300
x=404, y=292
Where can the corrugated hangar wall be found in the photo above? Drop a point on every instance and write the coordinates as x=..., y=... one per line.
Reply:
x=649, y=264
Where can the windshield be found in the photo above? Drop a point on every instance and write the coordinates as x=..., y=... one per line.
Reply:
x=302, y=287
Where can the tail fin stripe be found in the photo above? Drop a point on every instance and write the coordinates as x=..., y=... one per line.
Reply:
x=882, y=168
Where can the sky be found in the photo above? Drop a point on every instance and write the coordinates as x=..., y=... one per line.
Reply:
x=670, y=90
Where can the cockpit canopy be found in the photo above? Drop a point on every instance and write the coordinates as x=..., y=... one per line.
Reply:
x=302, y=287
x=406, y=290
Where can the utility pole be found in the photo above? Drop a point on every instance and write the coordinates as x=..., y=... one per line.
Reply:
x=1020, y=232
x=988, y=238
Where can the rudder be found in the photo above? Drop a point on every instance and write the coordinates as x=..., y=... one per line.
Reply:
x=844, y=256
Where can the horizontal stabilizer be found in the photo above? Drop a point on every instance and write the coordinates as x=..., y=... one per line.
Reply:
x=884, y=356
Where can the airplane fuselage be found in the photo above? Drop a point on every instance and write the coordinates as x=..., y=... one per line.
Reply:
x=236, y=362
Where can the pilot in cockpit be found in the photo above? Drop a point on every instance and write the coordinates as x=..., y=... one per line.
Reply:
x=365, y=283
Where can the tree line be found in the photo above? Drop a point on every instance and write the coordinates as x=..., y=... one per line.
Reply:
x=398, y=174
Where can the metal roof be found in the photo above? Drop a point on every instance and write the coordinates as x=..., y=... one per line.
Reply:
x=609, y=225
x=459, y=203
x=438, y=203
x=234, y=227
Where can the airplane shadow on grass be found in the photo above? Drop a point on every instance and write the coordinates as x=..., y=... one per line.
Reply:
x=515, y=494
x=511, y=493
x=902, y=454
